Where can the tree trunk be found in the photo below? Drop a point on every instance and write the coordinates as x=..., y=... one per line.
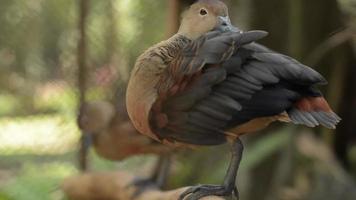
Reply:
x=175, y=8
x=345, y=135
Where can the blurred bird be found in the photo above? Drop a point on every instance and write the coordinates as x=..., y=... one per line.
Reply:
x=211, y=83
x=114, y=138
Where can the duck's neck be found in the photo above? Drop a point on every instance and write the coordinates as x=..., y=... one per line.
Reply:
x=190, y=32
x=175, y=43
x=179, y=39
x=170, y=48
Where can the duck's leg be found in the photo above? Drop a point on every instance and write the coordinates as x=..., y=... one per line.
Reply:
x=228, y=187
x=158, y=178
x=163, y=171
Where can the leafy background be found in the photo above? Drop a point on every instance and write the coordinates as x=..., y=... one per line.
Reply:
x=39, y=94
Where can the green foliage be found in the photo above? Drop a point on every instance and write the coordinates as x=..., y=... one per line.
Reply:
x=265, y=147
x=141, y=25
x=38, y=75
x=9, y=104
x=4, y=196
x=194, y=166
x=63, y=101
x=40, y=151
x=38, y=45
x=37, y=182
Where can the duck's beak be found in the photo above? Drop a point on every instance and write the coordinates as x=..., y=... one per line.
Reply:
x=224, y=25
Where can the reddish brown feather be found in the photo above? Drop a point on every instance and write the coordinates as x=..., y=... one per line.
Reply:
x=160, y=118
x=310, y=104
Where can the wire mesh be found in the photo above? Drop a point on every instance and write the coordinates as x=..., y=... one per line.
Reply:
x=38, y=83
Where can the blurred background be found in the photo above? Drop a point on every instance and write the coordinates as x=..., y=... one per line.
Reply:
x=56, y=54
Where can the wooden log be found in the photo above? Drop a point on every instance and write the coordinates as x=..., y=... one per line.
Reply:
x=113, y=186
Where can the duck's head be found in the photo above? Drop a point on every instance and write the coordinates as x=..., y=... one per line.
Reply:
x=204, y=16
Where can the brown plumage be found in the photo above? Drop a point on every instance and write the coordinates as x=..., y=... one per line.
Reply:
x=211, y=83
x=114, y=137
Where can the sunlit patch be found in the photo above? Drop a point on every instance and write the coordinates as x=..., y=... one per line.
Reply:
x=44, y=134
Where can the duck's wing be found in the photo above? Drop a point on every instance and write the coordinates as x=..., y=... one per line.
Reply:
x=189, y=77
x=227, y=82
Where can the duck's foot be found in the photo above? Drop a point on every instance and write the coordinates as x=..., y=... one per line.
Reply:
x=225, y=190
x=200, y=191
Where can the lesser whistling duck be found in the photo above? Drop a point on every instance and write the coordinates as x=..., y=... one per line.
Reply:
x=211, y=83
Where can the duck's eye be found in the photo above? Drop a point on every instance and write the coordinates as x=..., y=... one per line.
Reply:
x=203, y=11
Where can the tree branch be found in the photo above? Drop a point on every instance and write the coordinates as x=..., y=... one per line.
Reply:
x=114, y=186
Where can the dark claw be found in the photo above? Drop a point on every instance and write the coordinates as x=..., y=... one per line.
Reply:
x=188, y=191
x=192, y=190
x=197, y=192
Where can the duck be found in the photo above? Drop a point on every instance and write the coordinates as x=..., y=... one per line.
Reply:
x=211, y=83
x=114, y=138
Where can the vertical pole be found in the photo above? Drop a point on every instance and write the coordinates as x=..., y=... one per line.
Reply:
x=175, y=8
x=82, y=75
x=295, y=32
x=173, y=17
